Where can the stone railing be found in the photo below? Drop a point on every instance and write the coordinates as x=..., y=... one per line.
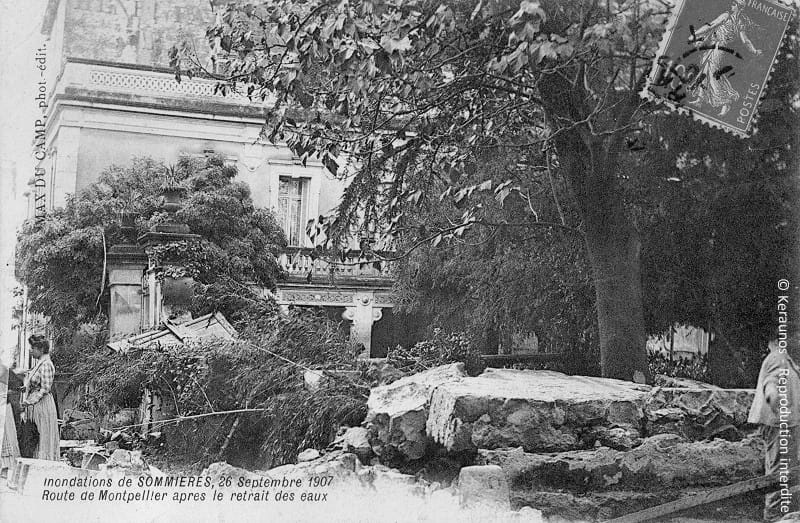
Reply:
x=298, y=263
x=86, y=74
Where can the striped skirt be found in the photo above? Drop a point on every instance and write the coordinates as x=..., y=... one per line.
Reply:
x=45, y=417
x=10, y=451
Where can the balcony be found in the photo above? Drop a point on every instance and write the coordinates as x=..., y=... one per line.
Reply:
x=306, y=265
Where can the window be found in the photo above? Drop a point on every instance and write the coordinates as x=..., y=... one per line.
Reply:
x=291, y=212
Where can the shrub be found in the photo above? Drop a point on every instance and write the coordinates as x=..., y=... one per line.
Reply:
x=442, y=348
x=696, y=368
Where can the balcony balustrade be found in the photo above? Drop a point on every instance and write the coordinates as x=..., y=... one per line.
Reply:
x=306, y=264
x=119, y=79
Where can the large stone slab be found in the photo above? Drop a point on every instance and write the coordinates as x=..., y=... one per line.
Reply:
x=665, y=459
x=540, y=411
x=397, y=412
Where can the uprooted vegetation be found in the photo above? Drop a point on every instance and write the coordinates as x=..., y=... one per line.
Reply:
x=260, y=374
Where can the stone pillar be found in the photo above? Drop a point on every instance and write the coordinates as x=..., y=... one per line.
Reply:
x=126, y=265
x=363, y=314
x=169, y=298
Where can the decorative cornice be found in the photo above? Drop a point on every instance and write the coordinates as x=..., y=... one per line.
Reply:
x=332, y=297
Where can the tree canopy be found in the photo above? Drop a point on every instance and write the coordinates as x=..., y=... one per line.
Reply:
x=416, y=95
x=60, y=256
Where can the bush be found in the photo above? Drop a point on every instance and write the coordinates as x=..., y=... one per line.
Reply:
x=442, y=348
x=696, y=369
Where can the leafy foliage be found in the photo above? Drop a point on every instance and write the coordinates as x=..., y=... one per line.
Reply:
x=492, y=282
x=60, y=257
x=440, y=349
x=418, y=94
x=251, y=373
x=425, y=85
x=696, y=369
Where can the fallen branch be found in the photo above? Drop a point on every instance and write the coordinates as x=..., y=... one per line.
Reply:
x=227, y=442
x=193, y=416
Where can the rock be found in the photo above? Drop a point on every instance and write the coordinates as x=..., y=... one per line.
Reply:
x=356, y=440
x=397, y=412
x=619, y=438
x=483, y=485
x=380, y=372
x=670, y=420
x=93, y=461
x=698, y=413
x=308, y=455
x=665, y=459
x=111, y=446
x=127, y=460
x=538, y=410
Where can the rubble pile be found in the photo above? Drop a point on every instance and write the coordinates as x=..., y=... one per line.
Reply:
x=574, y=446
x=507, y=445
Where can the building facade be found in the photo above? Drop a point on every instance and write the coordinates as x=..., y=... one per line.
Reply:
x=109, y=96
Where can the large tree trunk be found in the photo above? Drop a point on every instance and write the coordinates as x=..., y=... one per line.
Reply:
x=590, y=162
x=614, y=252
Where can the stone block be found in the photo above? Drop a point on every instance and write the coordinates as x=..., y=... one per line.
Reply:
x=483, y=485
x=130, y=461
x=541, y=411
x=665, y=459
x=397, y=413
x=356, y=440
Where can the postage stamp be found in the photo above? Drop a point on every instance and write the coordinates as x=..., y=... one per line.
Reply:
x=715, y=60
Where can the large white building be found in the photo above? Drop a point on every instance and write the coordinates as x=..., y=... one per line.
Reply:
x=110, y=97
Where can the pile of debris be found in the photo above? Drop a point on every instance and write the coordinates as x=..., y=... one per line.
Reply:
x=85, y=445
x=506, y=445
x=577, y=447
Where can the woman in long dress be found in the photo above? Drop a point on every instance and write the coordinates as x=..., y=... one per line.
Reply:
x=712, y=86
x=38, y=402
x=10, y=448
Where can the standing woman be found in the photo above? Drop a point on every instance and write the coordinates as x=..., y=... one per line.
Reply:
x=10, y=449
x=38, y=402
